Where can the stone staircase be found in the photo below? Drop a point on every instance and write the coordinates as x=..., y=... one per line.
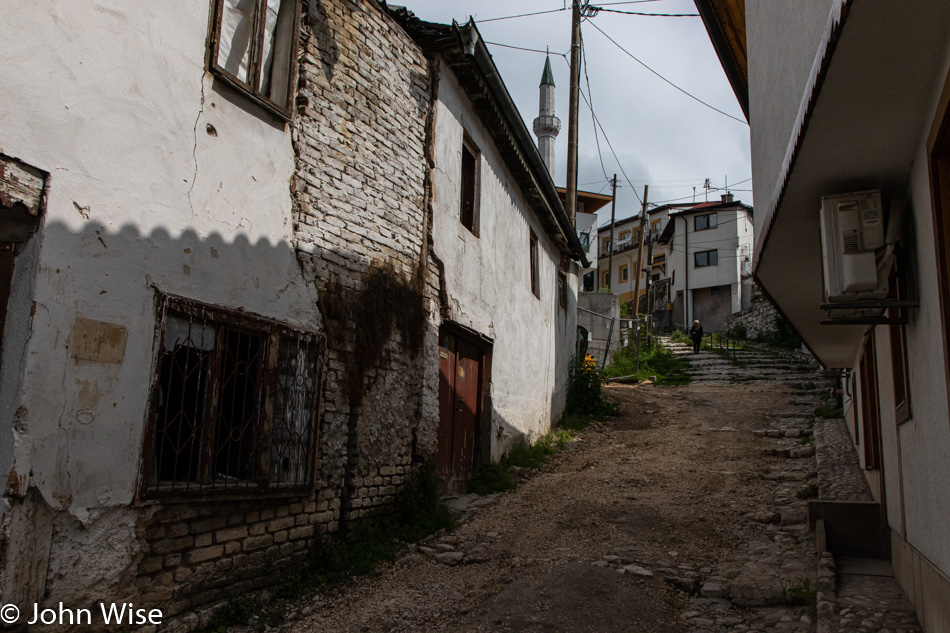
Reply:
x=751, y=363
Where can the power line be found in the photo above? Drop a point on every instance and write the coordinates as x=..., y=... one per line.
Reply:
x=591, y=97
x=523, y=15
x=530, y=50
x=655, y=15
x=695, y=98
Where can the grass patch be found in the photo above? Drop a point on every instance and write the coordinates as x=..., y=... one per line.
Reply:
x=802, y=594
x=654, y=361
x=499, y=476
x=808, y=492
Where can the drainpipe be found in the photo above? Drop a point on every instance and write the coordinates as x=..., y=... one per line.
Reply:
x=686, y=268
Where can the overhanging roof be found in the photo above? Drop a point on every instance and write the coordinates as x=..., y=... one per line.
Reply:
x=863, y=114
x=465, y=52
x=725, y=23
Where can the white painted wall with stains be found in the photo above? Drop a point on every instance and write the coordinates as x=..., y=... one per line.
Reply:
x=488, y=277
x=159, y=179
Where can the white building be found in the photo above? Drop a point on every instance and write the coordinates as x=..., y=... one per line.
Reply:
x=707, y=245
x=510, y=258
x=853, y=97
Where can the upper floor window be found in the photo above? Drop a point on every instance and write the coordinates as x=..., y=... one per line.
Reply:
x=533, y=254
x=655, y=227
x=706, y=221
x=253, y=46
x=468, y=212
x=706, y=258
x=624, y=273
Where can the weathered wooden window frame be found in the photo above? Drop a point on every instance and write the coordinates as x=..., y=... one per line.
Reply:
x=251, y=88
x=470, y=185
x=269, y=420
x=533, y=256
x=562, y=289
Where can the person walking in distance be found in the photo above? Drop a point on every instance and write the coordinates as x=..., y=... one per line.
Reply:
x=696, y=333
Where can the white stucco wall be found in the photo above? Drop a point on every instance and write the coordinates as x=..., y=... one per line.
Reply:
x=916, y=467
x=488, y=277
x=925, y=440
x=112, y=100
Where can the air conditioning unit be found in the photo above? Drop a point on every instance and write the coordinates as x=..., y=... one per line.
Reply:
x=852, y=232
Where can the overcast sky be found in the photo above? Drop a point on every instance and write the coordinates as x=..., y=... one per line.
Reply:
x=662, y=137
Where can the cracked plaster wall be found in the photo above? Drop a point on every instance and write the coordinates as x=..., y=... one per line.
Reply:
x=488, y=277
x=113, y=102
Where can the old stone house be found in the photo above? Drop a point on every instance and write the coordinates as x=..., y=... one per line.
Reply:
x=254, y=266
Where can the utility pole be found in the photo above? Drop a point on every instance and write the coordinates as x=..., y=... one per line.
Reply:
x=610, y=258
x=643, y=219
x=571, y=196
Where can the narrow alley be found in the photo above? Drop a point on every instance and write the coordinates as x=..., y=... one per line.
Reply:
x=681, y=514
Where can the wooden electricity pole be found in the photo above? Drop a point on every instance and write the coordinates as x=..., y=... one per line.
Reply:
x=610, y=259
x=643, y=219
x=571, y=196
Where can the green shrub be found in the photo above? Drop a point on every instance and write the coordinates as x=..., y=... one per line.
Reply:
x=737, y=331
x=808, y=492
x=585, y=389
x=499, y=476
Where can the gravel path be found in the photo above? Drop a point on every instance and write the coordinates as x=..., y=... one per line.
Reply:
x=680, y=515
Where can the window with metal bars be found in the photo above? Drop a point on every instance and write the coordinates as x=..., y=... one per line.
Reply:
x=234, y=404
x=253, y=47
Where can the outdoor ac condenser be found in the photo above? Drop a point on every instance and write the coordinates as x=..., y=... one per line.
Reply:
x=852, y=231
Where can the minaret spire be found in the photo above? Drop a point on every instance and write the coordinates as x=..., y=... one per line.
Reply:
x=546, y=126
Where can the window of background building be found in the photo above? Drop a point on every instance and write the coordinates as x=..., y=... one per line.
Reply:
x=703, y=222
x=706, y=258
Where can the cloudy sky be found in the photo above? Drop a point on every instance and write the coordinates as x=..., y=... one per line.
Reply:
x=661, y=137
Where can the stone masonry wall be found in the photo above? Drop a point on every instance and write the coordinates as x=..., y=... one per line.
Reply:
x=360, y=139
x=758, y=320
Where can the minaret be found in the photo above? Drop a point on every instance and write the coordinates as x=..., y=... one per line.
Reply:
x=546, y=126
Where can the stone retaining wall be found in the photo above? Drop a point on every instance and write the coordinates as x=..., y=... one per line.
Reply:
x=758, y=320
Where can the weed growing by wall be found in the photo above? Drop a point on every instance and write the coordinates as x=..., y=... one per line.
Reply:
x=585, y=388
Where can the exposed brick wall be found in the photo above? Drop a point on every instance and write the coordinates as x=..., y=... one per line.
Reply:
x=195, y=555
x=360, y=139
x=359, y=135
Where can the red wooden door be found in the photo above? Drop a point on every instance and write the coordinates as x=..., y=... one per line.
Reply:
x=459, y=407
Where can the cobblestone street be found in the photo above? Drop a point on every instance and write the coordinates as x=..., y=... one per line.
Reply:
x=686, y=514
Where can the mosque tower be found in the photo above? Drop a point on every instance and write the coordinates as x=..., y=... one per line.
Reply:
x=546, y=126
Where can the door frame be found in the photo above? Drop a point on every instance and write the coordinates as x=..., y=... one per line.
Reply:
x=483, y=412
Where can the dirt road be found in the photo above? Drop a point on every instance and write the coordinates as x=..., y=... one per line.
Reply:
x=643, y=524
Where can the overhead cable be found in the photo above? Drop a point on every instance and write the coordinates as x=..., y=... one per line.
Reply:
x=691, y=96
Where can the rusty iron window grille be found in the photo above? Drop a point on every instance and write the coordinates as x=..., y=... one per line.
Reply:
x=234, y=403
x=253, y=47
